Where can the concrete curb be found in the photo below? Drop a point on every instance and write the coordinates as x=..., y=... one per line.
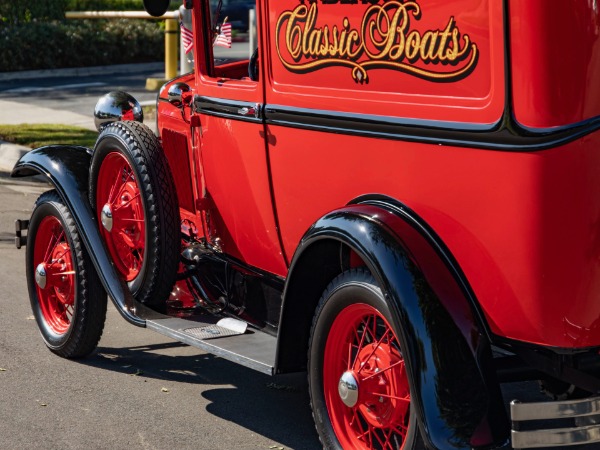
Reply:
x=9, y=155
x=81, y=71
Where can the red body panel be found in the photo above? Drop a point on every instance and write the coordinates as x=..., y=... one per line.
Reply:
x=236, y=175
x=555, y=50
x=523, y=226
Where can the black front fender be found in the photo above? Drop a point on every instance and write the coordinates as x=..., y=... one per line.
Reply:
x=455, y=392
x=67, y=168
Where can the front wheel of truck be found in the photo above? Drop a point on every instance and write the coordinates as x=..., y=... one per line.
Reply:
x=358, y=383
x=67, y=298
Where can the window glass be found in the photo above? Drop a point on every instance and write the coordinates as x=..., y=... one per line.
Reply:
x=234, y=30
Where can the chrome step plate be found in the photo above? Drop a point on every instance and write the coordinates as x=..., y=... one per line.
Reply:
x=210, y=332
x=227, y=339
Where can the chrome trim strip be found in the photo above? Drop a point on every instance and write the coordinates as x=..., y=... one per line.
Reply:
x=501, y=135
x=229, y=109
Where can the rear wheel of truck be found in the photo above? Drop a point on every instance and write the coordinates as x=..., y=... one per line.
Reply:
x=67, y=298
x=358, y=383
x=133, y=193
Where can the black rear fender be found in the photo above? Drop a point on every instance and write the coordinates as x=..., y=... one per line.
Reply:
x=455, y=391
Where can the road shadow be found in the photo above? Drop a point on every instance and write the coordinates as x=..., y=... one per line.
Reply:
x=275, y=407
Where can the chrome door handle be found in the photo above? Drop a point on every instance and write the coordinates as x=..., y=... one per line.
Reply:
x=250, y=111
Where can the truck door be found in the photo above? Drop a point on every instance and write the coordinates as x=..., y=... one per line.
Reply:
x=232, y=154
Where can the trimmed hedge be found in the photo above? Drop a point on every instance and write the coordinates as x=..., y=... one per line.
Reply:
x=56, y=44
x=20, y=11
x=110, y=5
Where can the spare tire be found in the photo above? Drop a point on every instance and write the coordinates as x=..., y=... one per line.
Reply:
x=134, y=196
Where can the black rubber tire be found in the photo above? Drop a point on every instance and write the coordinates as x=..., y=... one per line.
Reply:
x=351, y=287
x=138, y=144
x=87, y=322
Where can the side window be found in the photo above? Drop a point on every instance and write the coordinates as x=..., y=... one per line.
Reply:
x=233, y=34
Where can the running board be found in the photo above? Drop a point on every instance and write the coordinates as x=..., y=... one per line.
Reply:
x=253, y=349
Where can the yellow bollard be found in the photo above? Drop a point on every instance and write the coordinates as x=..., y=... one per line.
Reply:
x=171, y=54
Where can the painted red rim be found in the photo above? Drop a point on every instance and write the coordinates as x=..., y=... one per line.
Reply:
x=362, y=344
x=118, y=189
x=53, y=258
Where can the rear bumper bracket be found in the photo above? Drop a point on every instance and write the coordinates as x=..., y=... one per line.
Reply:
x=20, y=226
x=584, y=413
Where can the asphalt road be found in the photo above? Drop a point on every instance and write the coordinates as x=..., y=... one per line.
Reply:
x=138, y=391
x=77, y=94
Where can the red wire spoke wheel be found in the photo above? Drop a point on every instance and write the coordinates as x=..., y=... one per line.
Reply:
x=121, y=214
x=69, y=314
x=359, y=387
x=365, y=383
x=133, y=193
x=55, y=277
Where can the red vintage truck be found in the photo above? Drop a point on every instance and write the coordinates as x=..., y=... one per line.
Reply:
x=399, y=197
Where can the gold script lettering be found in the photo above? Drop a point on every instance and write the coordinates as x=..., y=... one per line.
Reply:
x=384, y=39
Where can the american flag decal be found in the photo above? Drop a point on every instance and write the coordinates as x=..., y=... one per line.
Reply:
x=224, y=37
x=187, y=38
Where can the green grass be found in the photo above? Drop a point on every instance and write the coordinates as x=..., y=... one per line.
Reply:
x=38, y=135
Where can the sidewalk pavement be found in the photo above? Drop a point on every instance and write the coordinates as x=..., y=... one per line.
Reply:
x=12, y=113
x=80, y=71
x=9, y=155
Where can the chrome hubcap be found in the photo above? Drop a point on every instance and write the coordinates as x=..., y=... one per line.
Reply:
x=40, y=275
x=107, y=218
x=348, y=389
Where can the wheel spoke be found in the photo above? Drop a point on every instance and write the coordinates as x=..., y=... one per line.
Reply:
x=365, y=435
x=383, y=370
x=389, y=438
x=58, y=257
x=362, y=340
x=374, y=332
x=370, y=336
x=379, y=394
x=359, y=424
x=400, y=429
x=375, y=347
x=382, y=443
x=130, y=251
x=349, y=365
x=70, y=272
x=126, y=241
x=69, y=310
x=49, y=249
x=126, y=203
x=370, y=435
x=116, y=189
x=52, y=244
